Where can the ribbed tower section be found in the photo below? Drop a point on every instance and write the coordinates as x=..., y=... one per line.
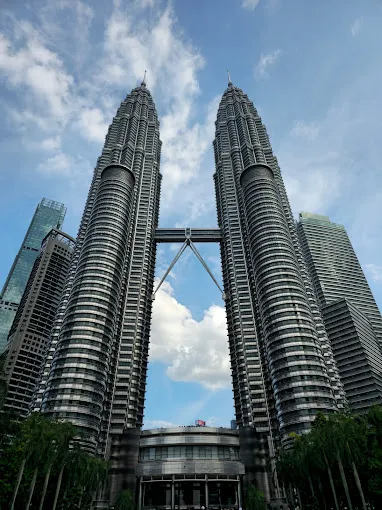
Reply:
x=282, y=365
x=95, y=368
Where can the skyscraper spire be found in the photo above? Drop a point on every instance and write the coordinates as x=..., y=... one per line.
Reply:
x=143, y=83
x=229, y=79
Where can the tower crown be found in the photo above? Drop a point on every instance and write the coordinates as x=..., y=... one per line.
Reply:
x=230, y=84
x=143, y=82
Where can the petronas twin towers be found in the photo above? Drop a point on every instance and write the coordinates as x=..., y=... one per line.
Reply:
x=283, y=371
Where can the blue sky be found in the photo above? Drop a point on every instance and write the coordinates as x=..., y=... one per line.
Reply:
x=313, y=70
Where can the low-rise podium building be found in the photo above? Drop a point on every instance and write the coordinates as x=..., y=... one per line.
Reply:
x=189, y=466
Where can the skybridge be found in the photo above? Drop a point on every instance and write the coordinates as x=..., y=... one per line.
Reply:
x=188, y=236
x=180, y=235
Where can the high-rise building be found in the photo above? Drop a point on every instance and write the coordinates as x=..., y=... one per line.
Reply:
x=351, y=315
x=48, y=215
x=32, y=326
x=357, y=353
x=335, y=270
x=100, y=342
x=282, y=365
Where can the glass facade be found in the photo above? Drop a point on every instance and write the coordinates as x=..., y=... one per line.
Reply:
x=351, y=315
x=49, y=214
x=190, y=452
x=31, y=328
x=190, y=493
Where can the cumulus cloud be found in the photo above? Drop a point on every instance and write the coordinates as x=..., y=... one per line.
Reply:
x=312, y=183
x=64, y=88
x=79, y=16
x=63, y=164
x=91, y=122
x=194, y=351
x=250, y=4
x=266, y=60
x=51, y=144
x=29, y=66
x=172, y=64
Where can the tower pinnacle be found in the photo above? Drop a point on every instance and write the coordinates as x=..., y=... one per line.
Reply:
x=143, y=83
x=229, y=79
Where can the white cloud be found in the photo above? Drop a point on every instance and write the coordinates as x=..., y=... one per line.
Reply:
x=92, y=124
x=65, y=165
x=250, y=4
x=307, y=131
x=35, y=61
x=375, y=272
x=158, y=424
x=51, y=144
x=79, y=16
x=265, y=61
x=130, y=47
x=312, y=184
x=356, y=27
x=143, y=4
x=36, y=71
x=184, y=148
x=313, y=176
x=323, y=176
x=193, y=351
x=60, y=163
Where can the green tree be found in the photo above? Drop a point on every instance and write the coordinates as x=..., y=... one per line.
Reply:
x=125, y=501
x=3, y=383
x=255, y=499
x=318, y=437
x=83, y=476
x=32, y=439
x=374, y=464
x=58, y=439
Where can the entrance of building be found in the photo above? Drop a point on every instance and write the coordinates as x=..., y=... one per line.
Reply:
x=182, y=494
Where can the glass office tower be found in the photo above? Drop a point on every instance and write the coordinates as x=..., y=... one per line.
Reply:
x=31, y=329
x=334, y=267
x=351, y=315
x=49, y=214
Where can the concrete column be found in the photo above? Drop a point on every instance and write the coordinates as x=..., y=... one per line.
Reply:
x=206, y=491
x=239, y=488
x=143, y=493
x=172, y=493
x=140, y=494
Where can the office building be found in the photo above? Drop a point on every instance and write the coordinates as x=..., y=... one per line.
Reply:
x=48, y=215
x=357, y=353
x=351, y=315
x=31, y=329
x=101, y=339
x=282, y=366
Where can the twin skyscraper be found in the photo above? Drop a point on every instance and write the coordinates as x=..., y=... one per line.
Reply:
x=283, y=368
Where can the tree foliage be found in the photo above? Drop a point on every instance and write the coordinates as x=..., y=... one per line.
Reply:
x=45, y=452
x=255, y=499
x=337, y=464
x=125, y=501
